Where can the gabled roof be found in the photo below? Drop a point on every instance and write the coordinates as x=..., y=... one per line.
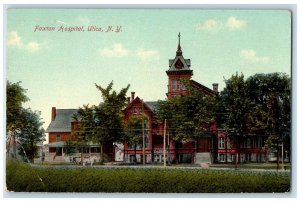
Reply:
x=186, y=63
x=62, y=121
x=202, y=88
x=152, y=105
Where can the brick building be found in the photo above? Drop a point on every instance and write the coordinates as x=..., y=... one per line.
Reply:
x=213, y=146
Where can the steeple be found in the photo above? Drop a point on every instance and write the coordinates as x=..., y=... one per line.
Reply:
x=179, y=51
x=179, y=73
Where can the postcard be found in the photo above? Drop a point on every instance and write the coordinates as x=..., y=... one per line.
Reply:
x=148, y=100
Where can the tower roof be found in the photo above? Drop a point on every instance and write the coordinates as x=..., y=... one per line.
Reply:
x=179, y=64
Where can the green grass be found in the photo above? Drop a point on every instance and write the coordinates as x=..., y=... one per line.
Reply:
x=21, y=177
x=266, y=166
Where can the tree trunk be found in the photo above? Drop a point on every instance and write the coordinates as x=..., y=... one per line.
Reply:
x=226, y=160
x=8, y=148
x=237, y=155
x=176, y=152
x=277, y=148
x=14, y=145
x=81, y=156
x=101, y=154
x=134, y=153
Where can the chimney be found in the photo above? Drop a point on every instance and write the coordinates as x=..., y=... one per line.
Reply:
x=53, y=115
x=215, y=87
x=132, y=96
x=128, y=101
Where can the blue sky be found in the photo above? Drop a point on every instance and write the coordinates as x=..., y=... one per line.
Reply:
x=60, y=68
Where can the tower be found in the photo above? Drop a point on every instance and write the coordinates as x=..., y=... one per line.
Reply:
x=179, y=74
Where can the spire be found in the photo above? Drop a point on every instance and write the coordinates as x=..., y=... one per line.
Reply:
x=179, y=52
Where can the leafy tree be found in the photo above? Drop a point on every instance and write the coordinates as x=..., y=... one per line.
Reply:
x=259, y=105
x=133, y=132
x=234, y=109
x=187, y=116
x=271, y=111
x=15, y=97
x=31, y=134
x=103, y=123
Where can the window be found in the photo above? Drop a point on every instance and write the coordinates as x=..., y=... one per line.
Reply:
x=248, y=157
x=221, y=157
x=258, y=142
x=183, y=86
x=134, y=111
x=248, y=143
x=178, y=85
x=95, y=150
x=132, y=159
x=58, y=138
x=174, y=84
x=221, y=143
x=232, y=158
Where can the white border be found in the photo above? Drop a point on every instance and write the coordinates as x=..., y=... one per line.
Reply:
x=263, y=4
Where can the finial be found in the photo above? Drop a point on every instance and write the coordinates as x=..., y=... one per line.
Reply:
x=179, y=52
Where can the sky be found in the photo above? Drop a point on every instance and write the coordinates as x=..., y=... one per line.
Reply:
x=59, y=68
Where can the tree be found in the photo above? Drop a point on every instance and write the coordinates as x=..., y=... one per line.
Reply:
x=31, y=134
x=259, y=105
x=104, y=123
x=271, y=110
x=187, y=116
x=15, y=97
x=233, y=111
x=133, y=132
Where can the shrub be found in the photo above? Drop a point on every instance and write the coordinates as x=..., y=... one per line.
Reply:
x=23, y=177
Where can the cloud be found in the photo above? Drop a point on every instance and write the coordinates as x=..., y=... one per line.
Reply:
x=33, y=46
x=209, y=25
x=14, y=40
x=231, y=23
x=145, y=54
x=234, y=23
x=116, y=51
x=250, y=55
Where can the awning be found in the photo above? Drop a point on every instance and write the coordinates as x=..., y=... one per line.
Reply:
x=63, y=144
x=55, y=144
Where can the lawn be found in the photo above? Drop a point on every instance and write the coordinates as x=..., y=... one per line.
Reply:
x=21, y=177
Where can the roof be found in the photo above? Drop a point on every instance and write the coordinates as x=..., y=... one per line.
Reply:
x=62, y=121
x=186, y=63
x=203, y=88
x=152, y=105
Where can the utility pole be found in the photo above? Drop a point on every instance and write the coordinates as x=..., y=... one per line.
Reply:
x=282, y=157
x=165, y=163
x=144, y=160
x=169, y=148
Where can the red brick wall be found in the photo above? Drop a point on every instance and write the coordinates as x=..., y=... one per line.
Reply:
x=63, y=137
x=179, y=77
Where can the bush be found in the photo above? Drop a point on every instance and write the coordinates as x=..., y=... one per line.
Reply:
x=23, y=177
